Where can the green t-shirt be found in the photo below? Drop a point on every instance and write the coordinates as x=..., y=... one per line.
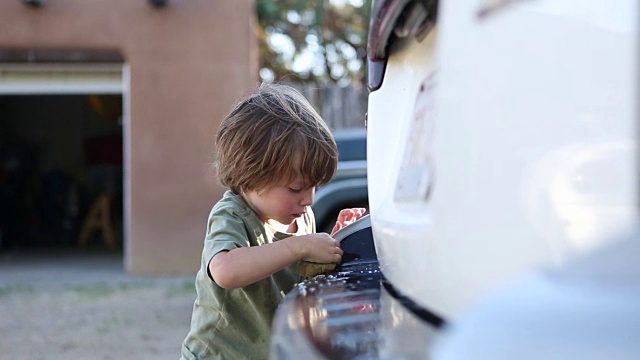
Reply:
x=236, y=323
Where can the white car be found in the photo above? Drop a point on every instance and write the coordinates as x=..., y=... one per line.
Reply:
x=501, y=140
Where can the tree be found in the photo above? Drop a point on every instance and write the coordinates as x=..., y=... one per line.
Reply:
x=314, y=40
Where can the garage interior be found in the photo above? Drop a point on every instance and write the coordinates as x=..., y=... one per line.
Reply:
x=61, y=172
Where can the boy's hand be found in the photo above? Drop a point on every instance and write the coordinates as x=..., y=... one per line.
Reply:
x=317, y=248
x=347, y=217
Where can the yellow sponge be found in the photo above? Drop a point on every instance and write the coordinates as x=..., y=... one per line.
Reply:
x=310, y=269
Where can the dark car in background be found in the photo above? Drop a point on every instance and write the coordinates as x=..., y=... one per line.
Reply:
x=348, y=188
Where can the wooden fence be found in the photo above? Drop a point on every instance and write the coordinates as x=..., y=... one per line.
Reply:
x=342, y=107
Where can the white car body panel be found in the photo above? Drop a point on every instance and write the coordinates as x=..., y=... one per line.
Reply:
x=530, y=160
x=588, y=310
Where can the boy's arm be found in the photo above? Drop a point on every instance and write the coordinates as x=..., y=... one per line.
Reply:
x=244, y=266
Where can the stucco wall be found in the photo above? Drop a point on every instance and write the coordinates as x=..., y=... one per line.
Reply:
x=188, y=62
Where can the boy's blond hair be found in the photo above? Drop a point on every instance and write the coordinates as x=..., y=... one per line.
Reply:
x=271, y=137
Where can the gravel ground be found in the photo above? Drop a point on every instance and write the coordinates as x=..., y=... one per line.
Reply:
x=84, y=306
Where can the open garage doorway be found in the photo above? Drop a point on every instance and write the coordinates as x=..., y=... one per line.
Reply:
x=61, y=159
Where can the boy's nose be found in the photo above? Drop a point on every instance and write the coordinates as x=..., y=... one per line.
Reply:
x=308, y=196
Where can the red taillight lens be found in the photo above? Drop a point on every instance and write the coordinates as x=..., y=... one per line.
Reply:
x=391, y=19
x=383, y=17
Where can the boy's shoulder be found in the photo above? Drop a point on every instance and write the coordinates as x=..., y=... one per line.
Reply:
x=231, y=211
x=231, y=204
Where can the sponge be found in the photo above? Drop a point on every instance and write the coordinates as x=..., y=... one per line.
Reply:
x=309, y=269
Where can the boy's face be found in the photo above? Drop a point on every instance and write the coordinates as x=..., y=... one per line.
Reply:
x=282, y=203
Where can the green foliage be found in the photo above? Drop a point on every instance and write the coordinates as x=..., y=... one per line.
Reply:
x=313, y=40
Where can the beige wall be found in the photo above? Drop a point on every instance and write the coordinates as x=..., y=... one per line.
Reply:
x=188, y=63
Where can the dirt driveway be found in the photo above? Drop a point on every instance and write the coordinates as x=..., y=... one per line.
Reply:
x=86, y=307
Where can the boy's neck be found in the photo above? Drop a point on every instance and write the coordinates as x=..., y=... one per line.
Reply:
x=291, y=228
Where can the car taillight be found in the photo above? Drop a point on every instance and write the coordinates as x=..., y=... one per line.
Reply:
x=390, y=20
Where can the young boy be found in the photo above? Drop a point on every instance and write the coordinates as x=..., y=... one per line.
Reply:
x=273, y=151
